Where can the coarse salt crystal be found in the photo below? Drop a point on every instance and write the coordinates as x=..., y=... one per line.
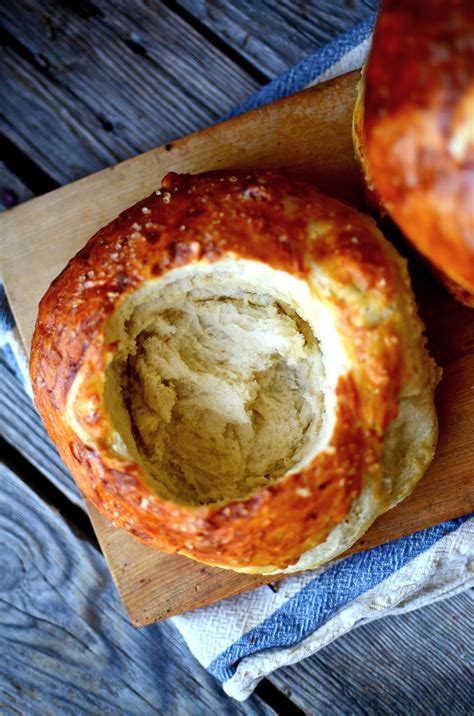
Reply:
x=303, y=492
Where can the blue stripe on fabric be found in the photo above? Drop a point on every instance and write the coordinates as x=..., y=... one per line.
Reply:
x=308, y=69
x=6, y=318
x=326, y=594
x=10, y=360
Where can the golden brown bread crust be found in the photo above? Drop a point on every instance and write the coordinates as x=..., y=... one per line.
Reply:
x=416, y=128
x=203, y=219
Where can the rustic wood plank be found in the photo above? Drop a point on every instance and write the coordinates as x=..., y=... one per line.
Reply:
x=81, y=91
x=276, y=35
x=417, y=663
x=21, y=426
x=58, y=134
x=65, y=642
x=312, y=131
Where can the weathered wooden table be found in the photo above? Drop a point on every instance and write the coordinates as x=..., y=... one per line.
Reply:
x=85, y=84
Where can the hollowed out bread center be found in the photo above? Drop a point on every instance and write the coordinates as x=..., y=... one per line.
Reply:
x=217, y=387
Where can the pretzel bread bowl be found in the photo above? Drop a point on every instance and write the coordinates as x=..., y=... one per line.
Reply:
x=234, y=370
x=414, y=130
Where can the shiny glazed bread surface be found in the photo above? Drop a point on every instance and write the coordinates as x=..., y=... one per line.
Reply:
x=414, y=130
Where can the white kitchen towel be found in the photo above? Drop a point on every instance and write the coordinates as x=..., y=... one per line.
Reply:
x=242, y=639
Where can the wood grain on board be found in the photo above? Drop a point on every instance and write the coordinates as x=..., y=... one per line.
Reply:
x=310, y=135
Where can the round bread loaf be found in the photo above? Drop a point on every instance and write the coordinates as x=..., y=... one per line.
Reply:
x=234, y=370
x=414, y=130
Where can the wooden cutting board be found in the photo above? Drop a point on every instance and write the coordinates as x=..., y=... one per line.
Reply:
x=309, y=134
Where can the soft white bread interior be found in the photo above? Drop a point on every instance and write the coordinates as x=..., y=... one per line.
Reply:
x=221, y=385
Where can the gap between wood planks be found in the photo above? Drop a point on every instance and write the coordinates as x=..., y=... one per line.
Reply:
x=21, y=166
x=76, y=518
x=212, y=37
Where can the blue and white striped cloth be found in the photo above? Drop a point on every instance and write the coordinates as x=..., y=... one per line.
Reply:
x=242, y=639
